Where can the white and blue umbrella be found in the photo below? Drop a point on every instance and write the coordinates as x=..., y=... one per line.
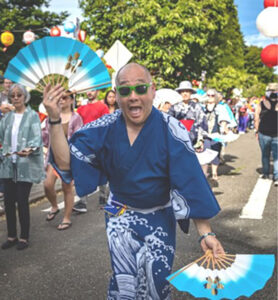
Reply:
x=58, y=60
x=227, y=277
x=166, y=95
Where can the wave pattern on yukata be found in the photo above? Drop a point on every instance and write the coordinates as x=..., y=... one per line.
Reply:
x=180, y=206
x=133, y=254
x=178, y=131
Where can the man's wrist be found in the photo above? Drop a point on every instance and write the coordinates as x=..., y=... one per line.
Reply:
x=54, y=121
x=205, y=235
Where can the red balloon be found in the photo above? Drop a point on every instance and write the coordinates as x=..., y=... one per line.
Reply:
x=268, y=3
x=55, y=31
x=82, y=35
x=269, y=55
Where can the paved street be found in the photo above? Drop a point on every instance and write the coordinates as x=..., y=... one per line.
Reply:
x=75, y=264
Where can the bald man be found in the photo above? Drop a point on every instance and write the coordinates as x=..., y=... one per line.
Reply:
x=154, y=176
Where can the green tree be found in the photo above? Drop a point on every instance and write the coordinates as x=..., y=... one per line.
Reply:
x=171, y=38
x=18, y=16
x=229, y=43
x=226, y=79
x=254, y=65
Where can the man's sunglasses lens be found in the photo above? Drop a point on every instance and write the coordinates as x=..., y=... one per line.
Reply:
x=124, y=91
x=140, y=89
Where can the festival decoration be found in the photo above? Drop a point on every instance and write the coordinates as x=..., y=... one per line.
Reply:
x=7, y=39
x=269, y=55
x=227, y=277
x=69, y=27
x=82, y=35
x=28, y=37
x=267, y=22
x=55, y=31
x=269, y=3
x=195, y=83
x=58, y=60
x=100, y=53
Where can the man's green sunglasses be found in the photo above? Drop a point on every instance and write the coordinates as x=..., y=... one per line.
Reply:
x=139, y=89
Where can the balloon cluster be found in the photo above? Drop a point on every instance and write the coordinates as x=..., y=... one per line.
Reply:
x=267, y=24
x=69, y=27
x=7, y=38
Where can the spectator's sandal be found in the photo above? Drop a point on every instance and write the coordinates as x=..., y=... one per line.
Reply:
x=52, y=214
x=64, y=226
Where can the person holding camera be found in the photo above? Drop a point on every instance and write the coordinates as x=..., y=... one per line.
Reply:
x=266, y=130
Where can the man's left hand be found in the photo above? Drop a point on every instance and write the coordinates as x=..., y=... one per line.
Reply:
x=212, y=243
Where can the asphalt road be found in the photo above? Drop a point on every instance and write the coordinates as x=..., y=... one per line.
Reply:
x=75, y=264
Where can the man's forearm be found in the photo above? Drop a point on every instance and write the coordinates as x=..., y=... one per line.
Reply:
x=202, y=225
x=59, y=146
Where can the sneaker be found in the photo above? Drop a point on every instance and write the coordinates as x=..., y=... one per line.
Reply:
x=275, y=182
x=264, y=176
x=8, y=244
x=21, y=245
x=80, y=207
x=1, y=209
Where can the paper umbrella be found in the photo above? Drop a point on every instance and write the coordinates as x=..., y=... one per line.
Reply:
x=227, y=277
x=58, y=60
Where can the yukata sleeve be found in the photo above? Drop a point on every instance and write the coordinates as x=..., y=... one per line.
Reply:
x=190, y=192
x=202, y=122
x=85, y=146
x=223, y=115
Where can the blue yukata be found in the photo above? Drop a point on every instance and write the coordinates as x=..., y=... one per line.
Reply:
x=158, y=180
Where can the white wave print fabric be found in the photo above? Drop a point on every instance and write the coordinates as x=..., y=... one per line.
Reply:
x=142, y=252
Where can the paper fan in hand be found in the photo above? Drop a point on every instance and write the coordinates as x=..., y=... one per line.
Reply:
x=58, y=60
x=226, y=277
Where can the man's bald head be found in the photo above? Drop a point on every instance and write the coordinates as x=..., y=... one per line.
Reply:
x=129, y=67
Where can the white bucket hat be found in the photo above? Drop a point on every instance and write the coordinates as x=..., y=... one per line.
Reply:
x=185, y=85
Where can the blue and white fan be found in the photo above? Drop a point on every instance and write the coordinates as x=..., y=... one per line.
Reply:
x=227, y=277
x=58, y=60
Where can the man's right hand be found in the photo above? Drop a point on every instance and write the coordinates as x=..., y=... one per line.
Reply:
x=51, y=98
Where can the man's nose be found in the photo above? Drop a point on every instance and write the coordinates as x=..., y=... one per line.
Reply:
x=133, y=95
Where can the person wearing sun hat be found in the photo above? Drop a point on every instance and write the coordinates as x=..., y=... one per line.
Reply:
x=188, y=109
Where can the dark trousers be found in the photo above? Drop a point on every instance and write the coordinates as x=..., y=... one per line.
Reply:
x=17, y=192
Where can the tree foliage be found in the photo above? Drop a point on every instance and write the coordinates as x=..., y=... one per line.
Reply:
x=254, y=65
x=228, y=78
x=229, y=42
x=18, y=16
x=174, y=39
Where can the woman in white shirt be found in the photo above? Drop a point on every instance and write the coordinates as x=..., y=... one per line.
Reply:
x=21, y=163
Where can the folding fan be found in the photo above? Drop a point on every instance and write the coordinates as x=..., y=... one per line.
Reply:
x=58, y=60
x=206, y=156
x=228, y=276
